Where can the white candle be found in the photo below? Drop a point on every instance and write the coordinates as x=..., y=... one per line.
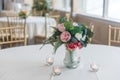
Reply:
x=50, y=61
x=94, y=67
x=57, y=70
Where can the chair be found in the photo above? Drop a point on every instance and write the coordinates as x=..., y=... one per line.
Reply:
x=56, y=17
x=5, y=13
x=67, y=16
x=15, y=32
x=47, y=31
x=41, y=38
x=91, y=27
x=113, y=35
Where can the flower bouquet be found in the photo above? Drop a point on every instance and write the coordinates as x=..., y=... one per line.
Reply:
x=24, y=14
x=73, y=35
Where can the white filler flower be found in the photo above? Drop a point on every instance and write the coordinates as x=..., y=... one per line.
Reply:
x=78, y=36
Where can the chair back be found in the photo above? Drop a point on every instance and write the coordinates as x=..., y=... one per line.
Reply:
x=5, y=13
x=48, y=26
x=42, y=38
x=12, y=13
x=15, y=32
x=113, y=35
x=91, y=27
x=67, y=16
x=56, y=17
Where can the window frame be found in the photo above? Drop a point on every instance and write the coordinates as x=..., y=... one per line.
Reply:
x=104, y=14
x=105, y=8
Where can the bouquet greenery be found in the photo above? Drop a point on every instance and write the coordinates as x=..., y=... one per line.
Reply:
x=42, y=6
x=73, y=35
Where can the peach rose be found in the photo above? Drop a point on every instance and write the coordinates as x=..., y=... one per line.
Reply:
x=61, y=27
x=65, y=36
x=25, y=11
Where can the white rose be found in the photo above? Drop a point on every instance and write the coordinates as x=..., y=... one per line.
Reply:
x=78, y=36
x=75, y=24
x=84, y=37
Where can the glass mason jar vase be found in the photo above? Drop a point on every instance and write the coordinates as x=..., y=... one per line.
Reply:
x=71, y=59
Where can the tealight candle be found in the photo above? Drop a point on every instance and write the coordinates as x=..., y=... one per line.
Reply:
x=94, y=67
x=50, y=60
x=57, y=70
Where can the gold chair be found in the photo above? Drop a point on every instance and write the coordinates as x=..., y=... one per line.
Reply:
x=5, y=13
x=56, y=17
x=41, y=38
x=113, y=35
x=91, y=26
x=67, y=16
x=16, y=32
x=47, y=31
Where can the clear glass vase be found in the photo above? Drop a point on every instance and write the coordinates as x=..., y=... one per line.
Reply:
x=71, y=59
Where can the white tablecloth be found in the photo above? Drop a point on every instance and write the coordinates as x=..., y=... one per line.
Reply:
x=36, y=26
x=28, y=63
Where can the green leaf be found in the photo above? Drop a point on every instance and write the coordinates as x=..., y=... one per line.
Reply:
x=62, y=20
x=83, y=43
x=56, y=33
x=54, y=28
x=89, y=33
x=57, y=44
x=83, y=26
x=75, y=30
x=74, y=39
x=68, y=26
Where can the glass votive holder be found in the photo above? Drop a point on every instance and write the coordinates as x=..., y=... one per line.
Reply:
x=56, y=70
x=50, y=60
x=94, y=67
x=77, y=59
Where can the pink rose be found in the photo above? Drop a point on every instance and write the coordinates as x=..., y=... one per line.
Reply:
x=61, y=27
x=79, y=45
x=65, y=36
x=72, y=46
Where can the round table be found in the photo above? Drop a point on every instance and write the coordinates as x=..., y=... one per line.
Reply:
x=29, y=63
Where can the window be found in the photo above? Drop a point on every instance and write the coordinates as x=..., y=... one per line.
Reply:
x=113, y=9
x=94, y=7
x=61, y=5
x=50, y=3
x=67, y=4
x=103, y=8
